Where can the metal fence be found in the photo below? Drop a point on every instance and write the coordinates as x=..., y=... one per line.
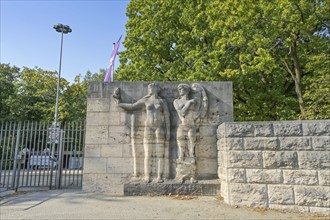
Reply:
x=34, y=154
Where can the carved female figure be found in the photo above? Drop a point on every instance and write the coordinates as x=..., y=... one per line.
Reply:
x=156, y=130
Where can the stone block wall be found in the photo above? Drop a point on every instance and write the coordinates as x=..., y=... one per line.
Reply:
x=281, y=165
x=108, y=160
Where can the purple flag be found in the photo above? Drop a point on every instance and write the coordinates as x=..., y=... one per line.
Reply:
x=111, y=62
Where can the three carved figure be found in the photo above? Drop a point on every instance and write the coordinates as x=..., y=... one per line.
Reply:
x=191, y=106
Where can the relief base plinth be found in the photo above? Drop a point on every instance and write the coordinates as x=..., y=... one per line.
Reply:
x=186, y=170
x=172, y=187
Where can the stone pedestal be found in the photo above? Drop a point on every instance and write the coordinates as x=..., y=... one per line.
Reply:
x=186, y=170
x=202, y=188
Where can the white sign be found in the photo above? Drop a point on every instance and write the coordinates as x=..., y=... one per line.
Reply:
x=53, y=135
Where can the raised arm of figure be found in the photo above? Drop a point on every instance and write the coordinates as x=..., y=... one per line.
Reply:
x=128, y=106
x=133, y=106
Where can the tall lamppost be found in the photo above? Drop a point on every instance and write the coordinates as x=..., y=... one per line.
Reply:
x=63, y=29
x=55, y=130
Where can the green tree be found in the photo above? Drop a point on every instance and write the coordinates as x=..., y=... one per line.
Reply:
x=270, y=50
x=94, y=77
x=163, y=41
x=74, y=101
x=273, y=38
x=35, y=95
x=8, y=74
x=30, y=95
x=317, y=89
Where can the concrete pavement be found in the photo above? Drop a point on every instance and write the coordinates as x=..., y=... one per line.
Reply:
x=74, y=204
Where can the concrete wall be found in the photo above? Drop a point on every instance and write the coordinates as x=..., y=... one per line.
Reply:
x=281, y=165
x=108, y=151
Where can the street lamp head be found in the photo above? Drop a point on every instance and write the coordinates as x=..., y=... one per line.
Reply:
x=62, y=28
x=58, y=27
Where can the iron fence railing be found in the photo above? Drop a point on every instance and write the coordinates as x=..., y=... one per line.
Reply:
x=30, y=156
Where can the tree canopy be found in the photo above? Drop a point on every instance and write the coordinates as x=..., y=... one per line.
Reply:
x=275, y=52
x=30, y=94
x=8, y=75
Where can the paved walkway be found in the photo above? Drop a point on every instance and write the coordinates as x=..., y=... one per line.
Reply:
x=74, y=204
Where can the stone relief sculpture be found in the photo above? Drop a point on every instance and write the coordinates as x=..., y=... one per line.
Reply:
x=189, y=110
x=156, y=130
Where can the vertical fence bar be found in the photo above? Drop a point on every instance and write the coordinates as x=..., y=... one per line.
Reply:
x=59, y=164
x=66, y=160
x=37, y=153
x=73, y=151
x=50, y=154
x=2, y=145
x=23, y=153
x=18, y=132
x=71, y=166
x=7, y=155
x=4, y=155
x=64, y=156
x=69, y=155
x=69, y=149
x=82, y=148
x=18, y=156
x=51, y=169
x=30, y=168
x=42, y=150
x=26, y=152
x=77, y=153
x=32, y=152
x=18, y=178
x=43, y=134
x=12, y=156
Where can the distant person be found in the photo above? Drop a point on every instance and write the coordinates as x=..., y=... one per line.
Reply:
x=26, y=155
x=47, y=151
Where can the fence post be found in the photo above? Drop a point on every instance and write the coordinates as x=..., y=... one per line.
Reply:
x=59, y=161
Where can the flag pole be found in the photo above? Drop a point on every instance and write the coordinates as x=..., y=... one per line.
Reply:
x=110, y=70
x=113, y=66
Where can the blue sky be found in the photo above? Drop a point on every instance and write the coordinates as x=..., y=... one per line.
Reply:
x=28, y=38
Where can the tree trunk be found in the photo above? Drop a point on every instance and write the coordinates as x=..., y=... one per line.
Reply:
x=297, y=78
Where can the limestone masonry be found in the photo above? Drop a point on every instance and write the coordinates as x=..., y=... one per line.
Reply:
x=129, y=139
x=179, y=138
x=282, y=165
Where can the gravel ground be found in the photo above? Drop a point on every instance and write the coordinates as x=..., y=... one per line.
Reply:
x=73, y=204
